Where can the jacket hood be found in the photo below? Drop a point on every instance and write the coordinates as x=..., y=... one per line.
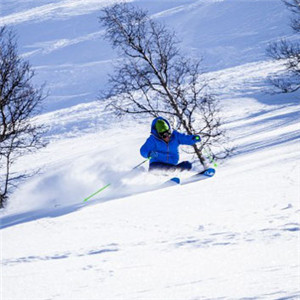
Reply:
x=153, y=129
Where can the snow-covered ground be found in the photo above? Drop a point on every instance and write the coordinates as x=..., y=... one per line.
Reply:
x=235, y=236
x=63, y=39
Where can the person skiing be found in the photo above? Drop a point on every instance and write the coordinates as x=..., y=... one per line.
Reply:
x=162, y=147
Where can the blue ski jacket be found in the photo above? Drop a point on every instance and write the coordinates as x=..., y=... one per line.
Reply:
x=167, y=152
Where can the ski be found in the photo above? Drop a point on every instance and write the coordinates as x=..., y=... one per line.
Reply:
x=210, y=172
x=171, y=182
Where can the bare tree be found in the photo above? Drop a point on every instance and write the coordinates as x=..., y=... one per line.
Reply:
x=154, y=78
x=19, y=102
x=289, y=53
x=294, y=7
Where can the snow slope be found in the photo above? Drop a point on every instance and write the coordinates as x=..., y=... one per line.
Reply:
x=238, y=231
x=63, y=39
x=235, y=236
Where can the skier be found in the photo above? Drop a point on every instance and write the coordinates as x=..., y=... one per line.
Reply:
x=162, y=147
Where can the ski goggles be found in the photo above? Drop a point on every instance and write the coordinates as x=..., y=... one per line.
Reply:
x=165, y=134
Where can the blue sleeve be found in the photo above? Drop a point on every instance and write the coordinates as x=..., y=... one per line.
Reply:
x=151, y=146
x=147, y=147
x=185, y=139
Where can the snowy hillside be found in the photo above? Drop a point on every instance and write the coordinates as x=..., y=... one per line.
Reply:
x=63, y=39
x=234, y=236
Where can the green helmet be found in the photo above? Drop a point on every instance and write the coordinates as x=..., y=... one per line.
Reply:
x=161, y=126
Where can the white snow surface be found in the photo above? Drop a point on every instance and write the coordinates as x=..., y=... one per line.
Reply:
x=234, y=236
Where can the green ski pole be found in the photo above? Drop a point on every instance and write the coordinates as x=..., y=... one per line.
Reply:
x=140, y=163
x=107, y=185
x=210, y=157
x=103, y=188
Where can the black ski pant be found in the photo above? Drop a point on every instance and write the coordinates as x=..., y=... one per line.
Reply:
x=183, y=166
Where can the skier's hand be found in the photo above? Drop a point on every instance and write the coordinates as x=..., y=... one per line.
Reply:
x=196, y=138
x=153, y=154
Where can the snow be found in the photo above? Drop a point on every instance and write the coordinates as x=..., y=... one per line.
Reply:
x=62, y=9
x=234, y=236
x=63, y=40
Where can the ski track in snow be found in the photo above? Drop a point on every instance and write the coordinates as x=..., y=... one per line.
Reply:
x=50, y=46
x=188, y=8
x=60, y=10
